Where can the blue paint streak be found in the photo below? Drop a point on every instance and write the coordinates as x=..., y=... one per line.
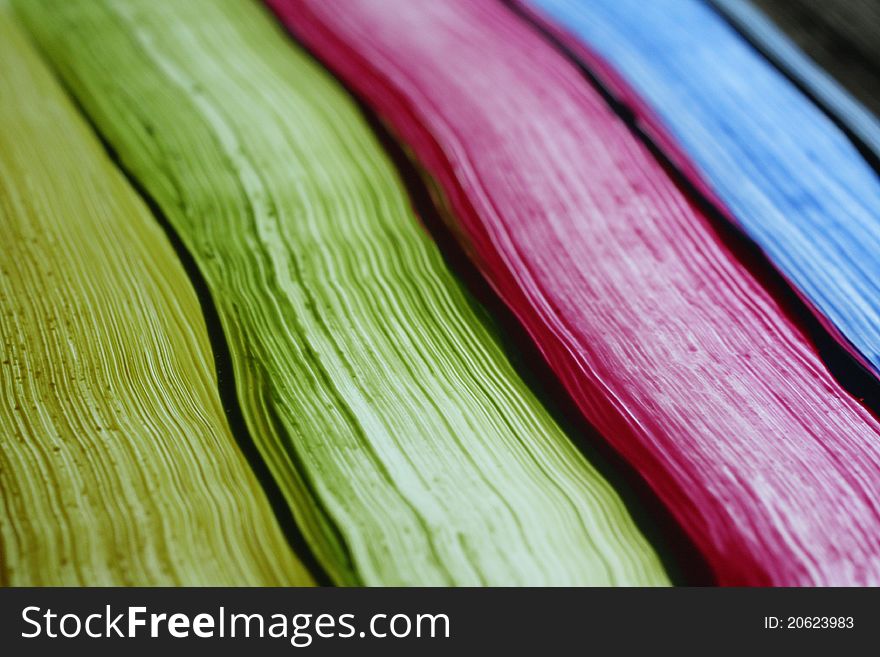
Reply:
x=855, y=116
x=792, y=179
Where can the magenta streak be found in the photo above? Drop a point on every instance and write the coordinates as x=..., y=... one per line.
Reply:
x=666, y=341
x=654, y=127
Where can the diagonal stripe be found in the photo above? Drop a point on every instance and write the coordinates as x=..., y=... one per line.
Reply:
x=666, y=340
x=117, y=466
x=409, y=448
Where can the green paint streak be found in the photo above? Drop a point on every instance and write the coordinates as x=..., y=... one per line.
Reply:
x=117, y=466
x=408, y=447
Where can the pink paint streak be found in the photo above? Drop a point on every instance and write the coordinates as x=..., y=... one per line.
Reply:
x=654, y=127
x=667, y=342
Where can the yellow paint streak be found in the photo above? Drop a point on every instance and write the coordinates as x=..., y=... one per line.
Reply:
x=117, y=466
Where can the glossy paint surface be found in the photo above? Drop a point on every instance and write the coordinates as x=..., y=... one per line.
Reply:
x=406, y=444
x=785, y=173
x=668, y=343
x=117, y=465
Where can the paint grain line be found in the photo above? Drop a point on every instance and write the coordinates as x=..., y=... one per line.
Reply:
x=846, y=365
x=854, y=119
x=839, y=35
x=407, y=445
x=795, y=182
x=117, y=466
x=669, y=344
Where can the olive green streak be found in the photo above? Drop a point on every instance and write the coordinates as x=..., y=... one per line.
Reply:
x=117, y=465
x=406, y=444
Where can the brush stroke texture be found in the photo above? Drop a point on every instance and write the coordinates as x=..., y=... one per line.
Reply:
x=669, y=345
x=822, y=87
x=386, y=409
x=840, y=35
x=784, y=172
x=117, y=466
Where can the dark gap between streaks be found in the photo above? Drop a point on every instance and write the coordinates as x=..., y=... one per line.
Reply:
x=222, y=360
x=849, y=372
x=868, y=153
x=682, y=561
x=815, y=32
x=679, y=556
